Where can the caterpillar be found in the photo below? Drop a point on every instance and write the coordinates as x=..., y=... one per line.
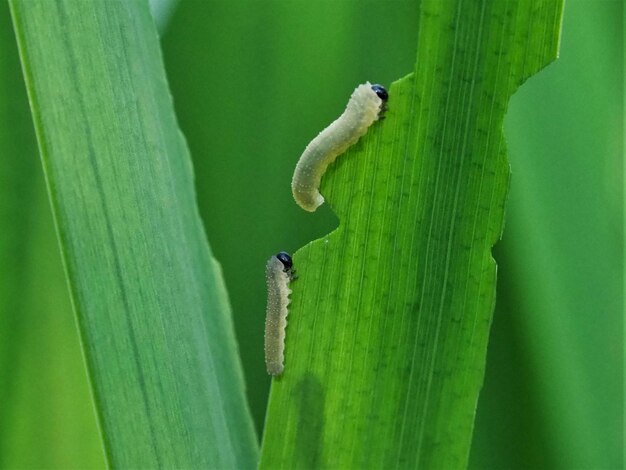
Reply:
x=366, y=105
x=279, y=273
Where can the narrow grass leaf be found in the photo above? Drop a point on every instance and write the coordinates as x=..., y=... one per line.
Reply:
x=390, y=316
x=149, y=298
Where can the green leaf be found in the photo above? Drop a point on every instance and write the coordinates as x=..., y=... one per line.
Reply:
x=388, y=326
x=150, y=302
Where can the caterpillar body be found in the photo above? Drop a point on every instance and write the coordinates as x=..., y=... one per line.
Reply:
x=366, y=105
x=279, y=273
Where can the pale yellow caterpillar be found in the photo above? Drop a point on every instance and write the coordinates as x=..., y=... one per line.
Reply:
x=279, y=274
x=366, y=105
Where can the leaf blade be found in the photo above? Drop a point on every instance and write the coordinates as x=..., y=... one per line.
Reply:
x=390, y=318
x=150, y=302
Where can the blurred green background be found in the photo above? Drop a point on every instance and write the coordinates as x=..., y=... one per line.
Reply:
x=253, y=82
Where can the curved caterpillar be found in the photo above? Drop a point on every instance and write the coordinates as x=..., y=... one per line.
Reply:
x=366, y=105
x=278, y=272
